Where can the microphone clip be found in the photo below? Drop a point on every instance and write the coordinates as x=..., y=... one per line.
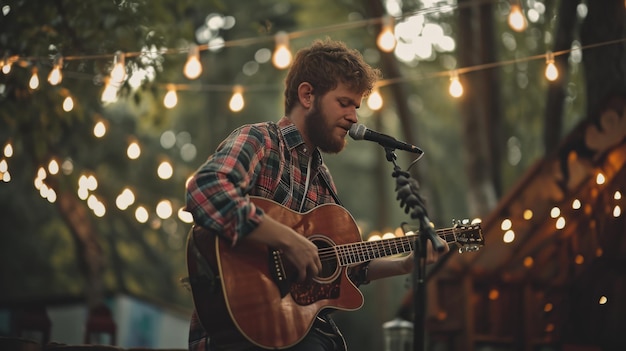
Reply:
x=410, y=199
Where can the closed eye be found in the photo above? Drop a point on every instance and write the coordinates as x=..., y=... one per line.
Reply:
x=347, y=103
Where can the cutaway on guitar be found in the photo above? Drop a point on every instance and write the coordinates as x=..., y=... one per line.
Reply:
x=257, y=283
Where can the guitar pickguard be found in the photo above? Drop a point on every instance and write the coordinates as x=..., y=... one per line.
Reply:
x=309, y=292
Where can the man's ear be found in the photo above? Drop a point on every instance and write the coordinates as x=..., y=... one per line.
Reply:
x=305, y=94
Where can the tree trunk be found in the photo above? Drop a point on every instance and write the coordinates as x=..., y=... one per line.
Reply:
x=605, y=65
x=88, y=250
x=481, y=110
x=553, y=127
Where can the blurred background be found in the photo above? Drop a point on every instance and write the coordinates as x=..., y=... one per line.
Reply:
x=108, y=107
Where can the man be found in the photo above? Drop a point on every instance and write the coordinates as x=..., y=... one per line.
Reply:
x=281, y=161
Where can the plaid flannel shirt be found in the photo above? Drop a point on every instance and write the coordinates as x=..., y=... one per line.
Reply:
x=264, y=159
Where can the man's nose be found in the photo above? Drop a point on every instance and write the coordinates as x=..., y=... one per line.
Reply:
x=352, y=116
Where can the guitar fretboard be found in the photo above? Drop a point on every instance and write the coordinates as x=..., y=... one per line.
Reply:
x=355, y=253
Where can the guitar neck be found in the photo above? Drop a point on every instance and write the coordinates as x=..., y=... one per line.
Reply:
x=355, y=253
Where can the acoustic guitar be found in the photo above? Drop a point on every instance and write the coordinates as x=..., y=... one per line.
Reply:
x=258, y=293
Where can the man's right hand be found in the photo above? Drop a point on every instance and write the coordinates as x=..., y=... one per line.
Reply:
x=296, y=248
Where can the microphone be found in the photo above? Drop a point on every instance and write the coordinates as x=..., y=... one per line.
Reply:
x=360, y=132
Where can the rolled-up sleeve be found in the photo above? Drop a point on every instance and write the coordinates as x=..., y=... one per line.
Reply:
x=217, y=193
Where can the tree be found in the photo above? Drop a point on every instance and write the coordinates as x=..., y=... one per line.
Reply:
x=41, y=132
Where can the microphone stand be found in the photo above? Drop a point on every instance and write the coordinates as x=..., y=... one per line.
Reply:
x=408, y=195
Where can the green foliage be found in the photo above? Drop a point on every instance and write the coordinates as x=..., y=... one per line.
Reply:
x=34, y=123
x=147, y=259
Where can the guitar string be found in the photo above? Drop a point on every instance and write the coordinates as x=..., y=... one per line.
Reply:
x=374, y=249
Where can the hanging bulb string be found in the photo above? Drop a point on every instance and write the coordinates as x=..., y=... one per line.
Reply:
x=381, y=83
x=31, y=60
x=485, y=66
x=266, y=38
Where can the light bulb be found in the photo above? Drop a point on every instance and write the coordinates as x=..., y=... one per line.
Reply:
x=171, y=99
x=517, y=21
x=386, y=40
x=68, y=104
x=282, y=55
x=375, y=100
x=118, y=73
x=552, y=73
x=7, y=63
x=109, y=93
x=6, y=67
x=99, y=129
x=236, y=103
x=55, y=77
x=456, y=88
x=193, y=67
x=33, y=83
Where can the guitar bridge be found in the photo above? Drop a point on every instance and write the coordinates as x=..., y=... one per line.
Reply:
x=278, y=272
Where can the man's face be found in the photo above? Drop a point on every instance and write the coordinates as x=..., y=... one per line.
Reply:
x=330, y=118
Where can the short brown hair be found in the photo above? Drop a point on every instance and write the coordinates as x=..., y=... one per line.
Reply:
x=324, y=64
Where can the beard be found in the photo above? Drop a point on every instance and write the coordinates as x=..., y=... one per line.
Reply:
x=319, y=131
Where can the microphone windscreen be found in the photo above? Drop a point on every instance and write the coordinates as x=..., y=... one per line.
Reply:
x=357, y=131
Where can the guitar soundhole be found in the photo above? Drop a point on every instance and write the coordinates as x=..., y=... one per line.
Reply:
x=326, y=285
x=327, y=256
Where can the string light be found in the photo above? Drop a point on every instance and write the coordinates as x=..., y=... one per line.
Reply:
x=33, y=83
x=8, y=149
x=386, y=40
x=133, y=151
x=603, y=300
x=237, y=103
x=171, y=99
x=509, y=236
x=118, y=73
x=125, y=199
x=560, y=223
x=56, y=77
x=141, y=214
x=164, y=209
x=375, y=100
x=282, y=55
x=7, y=63
x=193, y=67
x=517, y=20
x=552, y=73
x=53, y=167
x=100, y=129
x=165, y=170
x=528, y=214
x=555, y=212
x=109, y=93
x=456, y=88
x=68, y=104
x=506, y=224
x=185, y=216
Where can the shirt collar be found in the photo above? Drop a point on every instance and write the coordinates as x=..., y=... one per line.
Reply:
x=290, y=133
x=293, y=138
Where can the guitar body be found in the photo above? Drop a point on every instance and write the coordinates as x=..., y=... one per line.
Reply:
x=259, y=295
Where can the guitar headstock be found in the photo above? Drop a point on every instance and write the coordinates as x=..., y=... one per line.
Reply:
x=468, y=236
